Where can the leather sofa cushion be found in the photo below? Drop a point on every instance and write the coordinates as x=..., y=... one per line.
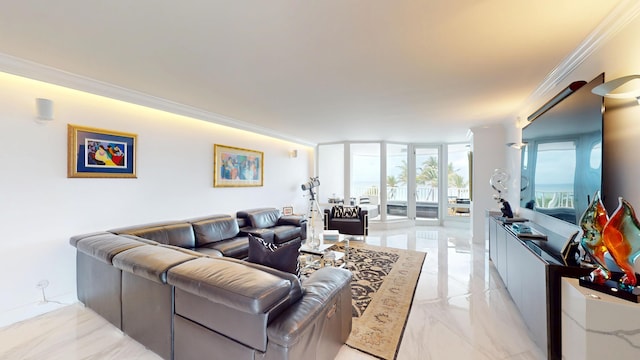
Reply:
x=278, y=234
x=105, y=246
x=150, y=262
x=346, y=221
x=169, y=233
x=285, y=228
x=231, y=284
x=194, y=252
x=214, y=229
x=208, y=217
x=265, y=218
x=243, y=222
x=252, y=217
x=244, y=214
x=266, y=234
x=296, y=290
x=295, y=220
x=348, y=226
x=282, y=257
x=74, y=239
x=285, y=233
x=237, y=248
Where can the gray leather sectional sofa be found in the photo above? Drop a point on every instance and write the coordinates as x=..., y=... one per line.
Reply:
x=184, y=290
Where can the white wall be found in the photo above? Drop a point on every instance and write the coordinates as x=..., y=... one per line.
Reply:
x=331, y=171
x=42, y=208
x=489, y=147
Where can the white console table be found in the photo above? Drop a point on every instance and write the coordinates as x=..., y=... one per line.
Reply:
x=598, y=326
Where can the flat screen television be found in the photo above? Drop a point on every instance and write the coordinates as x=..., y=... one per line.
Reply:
x=561, y=164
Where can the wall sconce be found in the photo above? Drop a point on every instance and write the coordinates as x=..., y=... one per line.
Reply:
x=293, y=153
x=607, y=88
x=516, y=145
x=44, y=109
x=573, y=87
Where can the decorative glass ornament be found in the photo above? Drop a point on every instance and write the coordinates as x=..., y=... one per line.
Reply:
x=592, y=223
x=621, y=236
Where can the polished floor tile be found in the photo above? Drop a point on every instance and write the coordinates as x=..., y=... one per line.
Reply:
x=461, y=310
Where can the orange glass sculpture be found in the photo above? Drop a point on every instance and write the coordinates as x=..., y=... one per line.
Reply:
x=592, y=223
x=621, y=236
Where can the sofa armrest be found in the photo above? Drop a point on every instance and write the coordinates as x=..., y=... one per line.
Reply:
x=322, y=289
x=104, y=246
x=151, y=262
x=295, y=220
x=364, y=213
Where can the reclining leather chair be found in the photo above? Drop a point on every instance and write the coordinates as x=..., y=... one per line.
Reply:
x=350, y=220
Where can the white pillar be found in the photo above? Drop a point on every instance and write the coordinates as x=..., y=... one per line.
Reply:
x=488, y=144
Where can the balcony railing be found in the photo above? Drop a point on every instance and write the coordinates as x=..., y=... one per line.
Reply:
x=554, y=199
x=423, y=193
x=426, y=200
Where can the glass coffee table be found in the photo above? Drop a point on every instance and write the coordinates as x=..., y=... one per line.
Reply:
x=321, y=255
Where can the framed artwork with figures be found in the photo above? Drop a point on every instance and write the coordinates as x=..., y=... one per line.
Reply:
x=99, y=153
x=237, y=167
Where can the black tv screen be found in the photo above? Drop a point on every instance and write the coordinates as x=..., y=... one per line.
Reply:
x=561, y=166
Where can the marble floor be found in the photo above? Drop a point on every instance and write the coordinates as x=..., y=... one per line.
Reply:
x=461, y=310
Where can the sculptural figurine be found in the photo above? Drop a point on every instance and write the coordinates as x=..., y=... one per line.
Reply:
x=506, y=209
x=592, y=223
x=621, y=236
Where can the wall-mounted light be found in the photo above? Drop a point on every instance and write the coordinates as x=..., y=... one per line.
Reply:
x=514, y=145
x=607, y=89
x=293, y=153
x=573, y=87
x=44, y=109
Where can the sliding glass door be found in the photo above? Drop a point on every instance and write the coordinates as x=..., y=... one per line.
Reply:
x=458, y=182
x=364, y=185
x=397, y=181
x=427, y=184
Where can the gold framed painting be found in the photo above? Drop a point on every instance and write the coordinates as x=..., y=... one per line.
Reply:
x=237, y=167
x=99, y=153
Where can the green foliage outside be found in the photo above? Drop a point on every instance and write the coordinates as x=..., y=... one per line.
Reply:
x=428, y=175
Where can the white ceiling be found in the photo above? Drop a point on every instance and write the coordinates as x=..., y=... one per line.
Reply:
x=315, y=71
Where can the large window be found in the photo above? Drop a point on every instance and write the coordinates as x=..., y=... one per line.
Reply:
x=458, y=184
x=397, y=181
x=427, y=182
x=365, y=173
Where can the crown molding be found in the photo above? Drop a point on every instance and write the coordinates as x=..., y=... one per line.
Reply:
x=616, y=20
x=36, y=71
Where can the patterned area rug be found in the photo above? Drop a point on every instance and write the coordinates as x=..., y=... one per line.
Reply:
x=383, y=285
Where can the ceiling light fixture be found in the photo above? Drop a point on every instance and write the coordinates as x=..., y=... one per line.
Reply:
x=607, y=89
